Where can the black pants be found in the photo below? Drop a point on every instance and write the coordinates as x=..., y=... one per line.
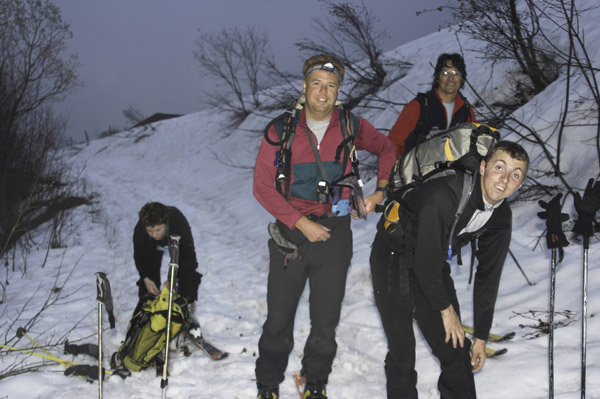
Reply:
x=398, y=302
x=325, y=266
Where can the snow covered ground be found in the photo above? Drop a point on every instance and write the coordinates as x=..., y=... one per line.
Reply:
x=196, y=164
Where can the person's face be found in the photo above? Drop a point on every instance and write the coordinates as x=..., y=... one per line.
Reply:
x=450, y=79
x=157, y=232
x=501, y=176
x=321, y=89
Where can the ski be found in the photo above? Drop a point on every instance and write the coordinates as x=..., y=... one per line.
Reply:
x=492, y=337
x=300, y=381
x=489, y=352
x=73, y=366
x=209, y=349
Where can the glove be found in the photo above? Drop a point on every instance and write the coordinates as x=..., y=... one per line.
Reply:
x=555, y=237
x=586, y=208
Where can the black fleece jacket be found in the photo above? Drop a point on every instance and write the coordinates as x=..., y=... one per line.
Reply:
x=434, y=204
x=148, y=257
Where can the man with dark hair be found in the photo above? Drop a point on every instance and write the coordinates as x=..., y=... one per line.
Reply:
x=440, y=108
x=310, y=219
x=151, y=238
x=411, y=273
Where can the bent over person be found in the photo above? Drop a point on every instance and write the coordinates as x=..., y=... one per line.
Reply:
x=411, y=273
x=313, y=220
x=151, y=238
x=440, y=108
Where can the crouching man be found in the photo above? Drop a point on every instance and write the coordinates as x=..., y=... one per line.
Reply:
x=411, y=276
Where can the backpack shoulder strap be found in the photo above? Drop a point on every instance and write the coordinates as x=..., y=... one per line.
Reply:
x=350, y=124
x=469, y=182
x=285, y=125
x=424, y=114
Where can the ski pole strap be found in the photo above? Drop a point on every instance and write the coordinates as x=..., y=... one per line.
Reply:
x=555, y=238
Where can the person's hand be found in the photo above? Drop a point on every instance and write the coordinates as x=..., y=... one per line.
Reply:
x=586, y=208
x=555, y=237
x=151, y=287
x=314, y=232
x=372, y=200
x=453, y=327
x=478, y=355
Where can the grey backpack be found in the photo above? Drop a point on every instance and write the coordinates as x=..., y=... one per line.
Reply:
x=463, y=146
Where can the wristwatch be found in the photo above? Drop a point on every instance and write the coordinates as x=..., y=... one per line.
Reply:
x=383, y=191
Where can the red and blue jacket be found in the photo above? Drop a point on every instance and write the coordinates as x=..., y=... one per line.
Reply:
x=305, y=172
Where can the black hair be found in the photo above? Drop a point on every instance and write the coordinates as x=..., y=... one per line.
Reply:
x=153, y=214
x=442, y=62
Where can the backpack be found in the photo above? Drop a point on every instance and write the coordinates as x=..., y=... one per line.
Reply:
x=463, y=145
x=147, y=331
x=285, y=125
x=442, y=153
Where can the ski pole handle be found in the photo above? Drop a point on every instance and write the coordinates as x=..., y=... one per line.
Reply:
x=174, y=249
x=100, y=287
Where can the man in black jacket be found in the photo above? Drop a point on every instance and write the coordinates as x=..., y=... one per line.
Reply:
x=151, y=238
x=411, y=276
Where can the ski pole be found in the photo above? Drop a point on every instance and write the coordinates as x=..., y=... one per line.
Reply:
x=555, y=239
x=551, y=324
x=104, y=297
x=586, y=208
x=514, y=258
x=586, y=245
x=173, y=267
x=99, y=299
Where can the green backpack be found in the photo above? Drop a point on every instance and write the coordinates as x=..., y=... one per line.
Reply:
x=147, y=330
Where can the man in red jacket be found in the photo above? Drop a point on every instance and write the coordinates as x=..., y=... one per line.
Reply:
x=313, y=222
x=445, y=105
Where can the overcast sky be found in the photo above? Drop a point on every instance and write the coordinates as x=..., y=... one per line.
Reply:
x=139, y=52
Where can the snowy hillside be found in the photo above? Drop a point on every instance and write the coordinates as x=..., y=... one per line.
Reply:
x=196, y=164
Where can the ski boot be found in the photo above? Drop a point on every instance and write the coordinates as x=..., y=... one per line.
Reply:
x=315, y=390
x=192, y=325
x=267, y=392
x=193, y=329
